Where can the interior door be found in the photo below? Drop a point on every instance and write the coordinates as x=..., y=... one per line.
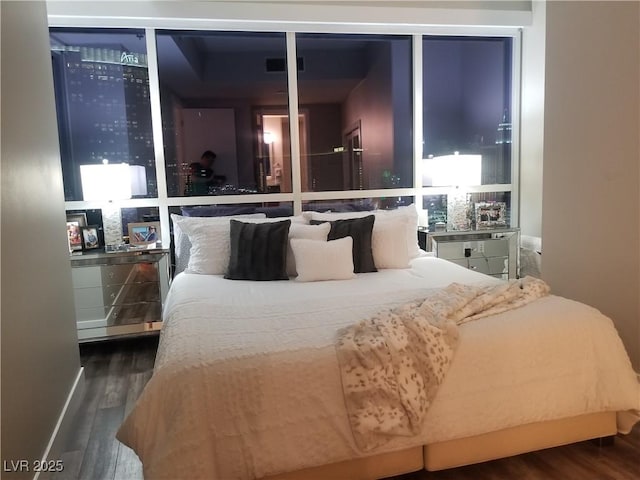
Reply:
x=354, y=159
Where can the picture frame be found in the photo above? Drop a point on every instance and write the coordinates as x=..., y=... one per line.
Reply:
x=143, y=233
x=90, y=238
x=74, y=234
x=490, y=215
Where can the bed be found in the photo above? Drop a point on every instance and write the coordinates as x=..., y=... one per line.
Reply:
x=247, y=383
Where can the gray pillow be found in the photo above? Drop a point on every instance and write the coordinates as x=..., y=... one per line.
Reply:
x=360, y=229
x=258, y=251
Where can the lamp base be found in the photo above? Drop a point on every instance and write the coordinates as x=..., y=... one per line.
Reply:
x=112, y=225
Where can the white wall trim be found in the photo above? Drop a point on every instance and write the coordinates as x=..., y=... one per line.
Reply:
x=60, y=431
x=374, y=17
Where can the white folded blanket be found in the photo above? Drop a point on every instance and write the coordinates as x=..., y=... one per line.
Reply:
x=393, y=363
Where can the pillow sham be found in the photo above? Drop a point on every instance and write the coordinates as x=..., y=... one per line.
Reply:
x=258, y=251
x=309, y=232
x=201, y=244
x=410, y=214
x=360, y=229
x=317, y=260
x=389, y=243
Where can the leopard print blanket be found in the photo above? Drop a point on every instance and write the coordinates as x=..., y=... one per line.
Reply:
x=393, y=363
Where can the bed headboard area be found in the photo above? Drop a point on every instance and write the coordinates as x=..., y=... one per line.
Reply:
x=202, y=240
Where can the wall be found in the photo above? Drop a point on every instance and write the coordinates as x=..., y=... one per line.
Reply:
x=40, y=359
x=370, y=103
x=532, y=122
x=389, y=15
x=591, y=179
x=323, y=167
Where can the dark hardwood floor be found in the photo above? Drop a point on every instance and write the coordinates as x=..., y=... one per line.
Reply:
x=116, y=372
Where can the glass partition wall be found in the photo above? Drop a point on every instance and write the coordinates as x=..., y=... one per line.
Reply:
x=467, y=130
x=205, y=118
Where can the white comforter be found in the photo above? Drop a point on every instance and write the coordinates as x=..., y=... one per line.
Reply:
x=247, y=384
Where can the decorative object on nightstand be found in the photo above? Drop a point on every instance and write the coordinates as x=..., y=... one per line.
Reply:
x=119, y=293
x=75, y=221
x=144, y=233
x=493, y=252
x=90, y=239
x=490, y=215
x=110, y=183
x=457, y=172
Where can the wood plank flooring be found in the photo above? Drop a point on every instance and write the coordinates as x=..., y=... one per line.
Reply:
x=116, y=372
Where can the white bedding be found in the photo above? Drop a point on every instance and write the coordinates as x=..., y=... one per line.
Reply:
x=247, y=384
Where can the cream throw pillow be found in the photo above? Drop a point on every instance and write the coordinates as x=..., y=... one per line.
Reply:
x=317, y=260
x=309, y=232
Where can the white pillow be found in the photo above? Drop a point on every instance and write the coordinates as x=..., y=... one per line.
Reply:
x=318, y=260
x=202, y=244
x=408, y=212
x=309, y=232
x=389, y=242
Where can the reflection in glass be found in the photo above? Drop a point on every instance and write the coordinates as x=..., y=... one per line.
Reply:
x=467, y=102
x=355, y=100
x=220, y=92
x=357, y=204
x=268, y=209
x=138, y=215
x=102, y=103
x=274, y=152
x=440, y=208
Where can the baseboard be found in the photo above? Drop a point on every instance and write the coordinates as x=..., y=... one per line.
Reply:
x=60, y=432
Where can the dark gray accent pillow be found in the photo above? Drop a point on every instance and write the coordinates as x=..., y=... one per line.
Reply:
x=258, y=251
x=360, y=229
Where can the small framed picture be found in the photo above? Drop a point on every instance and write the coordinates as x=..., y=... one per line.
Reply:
x=144, y=233
x=74, y=223
x=491, y=215
x=90, y=240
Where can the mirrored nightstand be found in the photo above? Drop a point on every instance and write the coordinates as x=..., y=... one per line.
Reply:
x=492, y=252
x=119, y=293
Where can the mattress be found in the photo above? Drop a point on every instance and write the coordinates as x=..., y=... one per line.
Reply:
x=246, y=382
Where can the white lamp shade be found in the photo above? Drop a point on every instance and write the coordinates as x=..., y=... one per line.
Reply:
x=138, y=180
x=452, y=170
x=106, y=182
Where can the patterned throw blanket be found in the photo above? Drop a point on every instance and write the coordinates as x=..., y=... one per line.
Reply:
x=392, y=364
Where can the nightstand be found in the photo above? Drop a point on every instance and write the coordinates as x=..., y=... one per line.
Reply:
x=492, y=252
x=119, y=293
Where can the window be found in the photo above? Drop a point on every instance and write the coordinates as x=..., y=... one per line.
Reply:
x=467, y=130
x=224, y=92
x=228, y=93
x=467, y=105
x=102, y=103
x=355, y=104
